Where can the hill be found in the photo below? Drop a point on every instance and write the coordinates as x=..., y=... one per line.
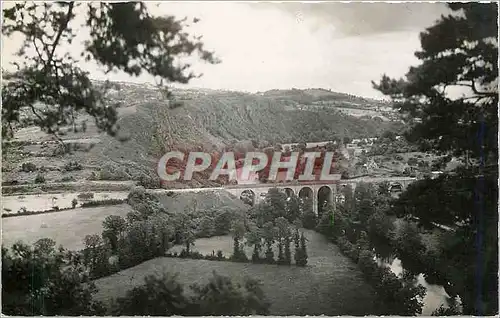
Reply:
x=206, y=120
x=278, y=116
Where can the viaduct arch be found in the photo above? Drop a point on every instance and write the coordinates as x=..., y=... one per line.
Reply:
x=322, y=194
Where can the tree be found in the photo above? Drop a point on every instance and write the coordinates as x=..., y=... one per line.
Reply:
x=254, y=238
x=123, y=36
x=309, y=218
x=238, y=231
x=221, y=296
x=162, y=296
x=383, y=188
x=292, y=208
x=46, y=281
x=380, y=226
x=269, y=234
x=288, y=252
x=276, y=200
x=409, y=240
x=92, y=243
x=188, y=238
x=389, y=135
x=301, y=252
x=364, y=197
x=458, y=51
x=114, y=226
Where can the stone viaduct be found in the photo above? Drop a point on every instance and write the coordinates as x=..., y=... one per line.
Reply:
x=328, y=190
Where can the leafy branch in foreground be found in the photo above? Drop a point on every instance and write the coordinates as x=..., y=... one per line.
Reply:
x=48, y=89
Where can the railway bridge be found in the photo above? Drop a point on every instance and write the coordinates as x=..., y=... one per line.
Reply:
x=319, y=191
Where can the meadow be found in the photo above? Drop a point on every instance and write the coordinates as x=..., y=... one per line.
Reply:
x=67, y=227
x=330, y=284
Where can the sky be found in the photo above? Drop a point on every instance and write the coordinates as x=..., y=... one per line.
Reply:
x=263, y=46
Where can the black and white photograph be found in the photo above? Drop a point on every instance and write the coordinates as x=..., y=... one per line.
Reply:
x=249, y=158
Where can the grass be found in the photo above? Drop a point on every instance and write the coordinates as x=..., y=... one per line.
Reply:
x=205, y=200
x=67, y=228
x=331, y=284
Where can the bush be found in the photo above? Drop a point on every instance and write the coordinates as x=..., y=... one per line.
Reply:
x=309, y=219
x=149, y=182
x=85, y=196
x=40, y=178
x=101, y=202
x=67, y=179
x=73, y=166
x=220, y=255
x=28, y=167
x=412, y=161
x=110, y=172
x=223, y=297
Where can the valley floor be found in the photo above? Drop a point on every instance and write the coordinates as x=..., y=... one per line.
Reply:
x=330, y=284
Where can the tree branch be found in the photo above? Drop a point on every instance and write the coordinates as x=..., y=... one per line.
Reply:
x=63, y=27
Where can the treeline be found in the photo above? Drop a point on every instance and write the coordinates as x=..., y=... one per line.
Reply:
x=274, y=223
x=44, y=280
x=364, y=227
x=361, y=228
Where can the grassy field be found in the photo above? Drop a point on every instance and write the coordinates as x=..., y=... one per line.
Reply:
x=205, y=200
x=67, y=228
x=331, y=284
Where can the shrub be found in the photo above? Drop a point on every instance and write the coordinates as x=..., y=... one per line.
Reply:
x=149, y=182
x=183, y=253
x=220, y=255
x=73, y=166
x=301, y=252
x=309, y=219
x=67, y=179
x=412, y=161
x=10, y=182
x=22, y=210
x=101, y=202
x=28, y=167
x=110, y=172
x=40, y=178
x=85, y=196
x=221, y=296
